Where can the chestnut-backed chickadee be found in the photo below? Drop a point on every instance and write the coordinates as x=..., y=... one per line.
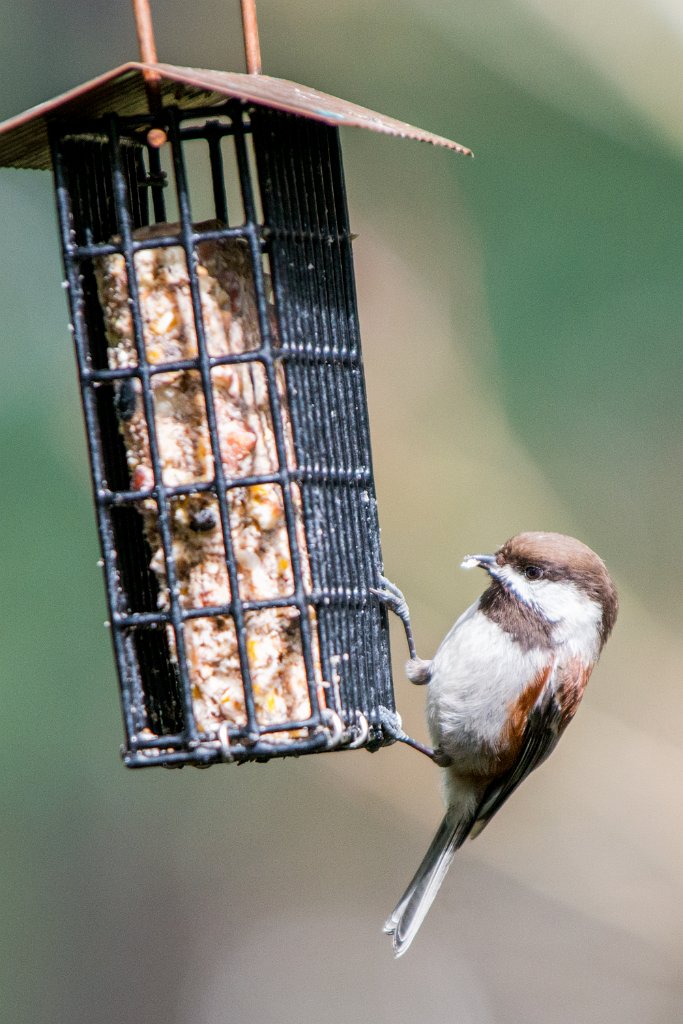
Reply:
x=503, y=686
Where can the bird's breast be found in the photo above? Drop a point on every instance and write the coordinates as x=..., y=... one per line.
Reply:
x=483, y=686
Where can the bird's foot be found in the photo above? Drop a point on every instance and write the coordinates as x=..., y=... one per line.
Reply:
x=390, y=595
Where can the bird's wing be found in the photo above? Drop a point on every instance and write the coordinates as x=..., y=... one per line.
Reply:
x=549, y=717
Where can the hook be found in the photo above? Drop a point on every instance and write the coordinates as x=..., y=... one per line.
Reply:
x=334, y=722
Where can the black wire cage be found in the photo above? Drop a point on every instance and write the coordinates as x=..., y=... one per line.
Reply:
x=221, y=377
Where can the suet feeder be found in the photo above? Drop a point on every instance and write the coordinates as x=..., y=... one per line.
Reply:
x=222, y=386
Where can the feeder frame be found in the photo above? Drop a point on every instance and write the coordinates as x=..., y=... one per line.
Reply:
x=109, y=181
x=333, y=472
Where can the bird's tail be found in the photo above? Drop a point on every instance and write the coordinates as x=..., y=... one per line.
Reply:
x=412, y=908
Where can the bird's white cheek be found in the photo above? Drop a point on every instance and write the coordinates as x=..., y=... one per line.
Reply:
x=577, y=618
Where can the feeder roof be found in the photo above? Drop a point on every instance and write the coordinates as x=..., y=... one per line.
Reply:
x=24, y=139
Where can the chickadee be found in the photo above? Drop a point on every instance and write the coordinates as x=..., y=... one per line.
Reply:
x=503, y=686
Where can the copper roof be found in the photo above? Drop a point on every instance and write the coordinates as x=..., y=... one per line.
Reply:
x=24, y=141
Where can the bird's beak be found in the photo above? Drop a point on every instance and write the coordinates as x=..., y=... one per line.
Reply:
x=486, y=562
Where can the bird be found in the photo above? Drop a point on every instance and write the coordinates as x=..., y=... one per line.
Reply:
x=503, y=686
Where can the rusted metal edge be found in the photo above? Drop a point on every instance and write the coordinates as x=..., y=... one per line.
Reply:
x=24, y=138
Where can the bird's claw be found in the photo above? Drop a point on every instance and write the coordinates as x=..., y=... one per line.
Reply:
x=390, y=595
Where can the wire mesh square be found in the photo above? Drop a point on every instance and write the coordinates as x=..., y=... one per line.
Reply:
x=214, y=317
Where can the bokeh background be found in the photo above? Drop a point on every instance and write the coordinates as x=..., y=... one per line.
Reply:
x=521, y=317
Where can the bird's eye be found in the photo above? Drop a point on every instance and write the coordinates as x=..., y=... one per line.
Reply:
x=533, y=572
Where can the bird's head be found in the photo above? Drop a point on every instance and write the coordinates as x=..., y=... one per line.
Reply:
x=556, y=577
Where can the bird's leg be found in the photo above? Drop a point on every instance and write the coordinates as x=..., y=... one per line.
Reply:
x=418, y=670
x=391, y=724
x=435, y=754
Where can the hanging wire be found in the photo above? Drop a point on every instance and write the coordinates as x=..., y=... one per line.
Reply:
x=156, y=137
x=252, y=49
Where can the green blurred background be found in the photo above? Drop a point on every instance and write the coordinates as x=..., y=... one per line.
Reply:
x=521, y=318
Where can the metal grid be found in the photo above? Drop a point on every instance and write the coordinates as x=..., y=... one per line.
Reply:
x=109, y=182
